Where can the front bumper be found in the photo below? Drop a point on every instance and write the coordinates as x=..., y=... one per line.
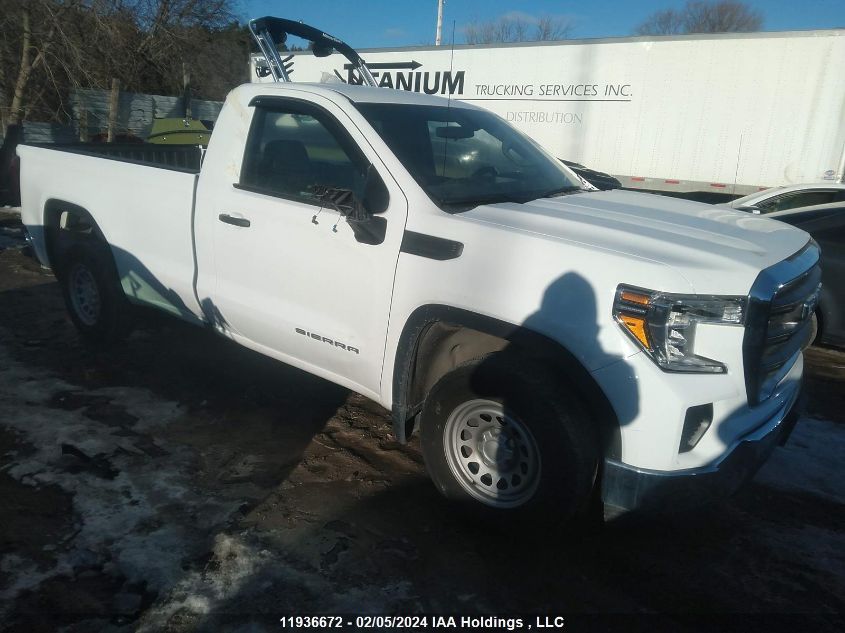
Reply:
x=626, y=488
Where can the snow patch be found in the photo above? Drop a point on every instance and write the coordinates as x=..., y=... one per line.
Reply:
x=242, y=572
x=141, y=523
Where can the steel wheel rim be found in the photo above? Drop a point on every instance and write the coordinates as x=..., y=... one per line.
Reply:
x=85, y=295
x=492, y=454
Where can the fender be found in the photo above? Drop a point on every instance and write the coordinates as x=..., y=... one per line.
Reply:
x=533, y=345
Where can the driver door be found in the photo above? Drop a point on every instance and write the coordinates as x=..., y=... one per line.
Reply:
x=292, y=278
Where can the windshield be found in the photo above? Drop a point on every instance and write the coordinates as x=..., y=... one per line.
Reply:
x=464, y=157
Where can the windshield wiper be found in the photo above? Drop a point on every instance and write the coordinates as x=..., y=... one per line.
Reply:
x=560, y=191
x=470, y=203
x=466, y=204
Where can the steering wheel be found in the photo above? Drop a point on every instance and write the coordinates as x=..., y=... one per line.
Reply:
x=487, y=173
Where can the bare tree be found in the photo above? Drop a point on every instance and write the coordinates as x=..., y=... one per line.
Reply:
x=49, y=47
x=722, y=17
x=517, y=27
x=34, y=49
x=25, y=67
x=549, y=28
x=665, y=22
x=717, y=16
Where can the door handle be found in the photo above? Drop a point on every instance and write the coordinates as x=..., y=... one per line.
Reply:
x=231, y=219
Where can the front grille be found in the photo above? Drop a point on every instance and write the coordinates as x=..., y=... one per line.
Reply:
x=780, y=309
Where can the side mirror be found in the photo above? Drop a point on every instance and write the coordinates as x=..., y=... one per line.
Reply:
x=370, y=228
x=361, y=213
x=374, y=197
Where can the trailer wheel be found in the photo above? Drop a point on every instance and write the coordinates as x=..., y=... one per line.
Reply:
x=93, y=295
x=501, y=438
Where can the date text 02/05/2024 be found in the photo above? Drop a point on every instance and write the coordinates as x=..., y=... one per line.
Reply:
x=422, y=622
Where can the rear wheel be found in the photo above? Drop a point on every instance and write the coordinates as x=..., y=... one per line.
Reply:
x=500, y=437
x=93, y=295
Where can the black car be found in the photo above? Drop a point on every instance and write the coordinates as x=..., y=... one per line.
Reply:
x=826, y=223
x=598, y=179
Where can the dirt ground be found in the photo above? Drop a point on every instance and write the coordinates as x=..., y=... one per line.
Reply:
x=178, y=482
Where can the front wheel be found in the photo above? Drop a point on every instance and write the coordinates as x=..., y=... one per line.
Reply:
x=93, y=295
x=500, y=436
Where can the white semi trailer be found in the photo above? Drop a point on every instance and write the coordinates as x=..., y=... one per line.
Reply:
x=726, y=113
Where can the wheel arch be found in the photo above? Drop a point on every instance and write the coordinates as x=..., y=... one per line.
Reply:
x=63, y=232
x=436, y=338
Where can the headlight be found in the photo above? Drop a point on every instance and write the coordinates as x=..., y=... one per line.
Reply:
x=664, y=324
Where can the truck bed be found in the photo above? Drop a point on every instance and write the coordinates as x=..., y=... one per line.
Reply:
x=142, y=197
x=185, y=158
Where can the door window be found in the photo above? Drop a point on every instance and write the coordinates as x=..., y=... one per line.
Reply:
x=798, y=199
x=296, y=151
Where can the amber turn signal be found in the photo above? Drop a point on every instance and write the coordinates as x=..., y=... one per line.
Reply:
x=634, y=297
x=636, y=326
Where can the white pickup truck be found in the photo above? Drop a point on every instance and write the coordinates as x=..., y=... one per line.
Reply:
x=552, y=345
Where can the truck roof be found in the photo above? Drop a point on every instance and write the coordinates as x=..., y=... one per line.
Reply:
x=355, y=93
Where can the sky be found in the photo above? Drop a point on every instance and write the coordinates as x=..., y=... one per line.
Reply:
x=389, y=23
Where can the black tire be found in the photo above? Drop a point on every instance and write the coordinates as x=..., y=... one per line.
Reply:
x=565, y=441
x=93, y=296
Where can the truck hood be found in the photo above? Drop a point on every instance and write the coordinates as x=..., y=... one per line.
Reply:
x=717, y=249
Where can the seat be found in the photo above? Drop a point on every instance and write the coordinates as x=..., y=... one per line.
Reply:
x=285, y=167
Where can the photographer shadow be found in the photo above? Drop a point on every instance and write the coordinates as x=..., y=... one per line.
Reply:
x=564, y=377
